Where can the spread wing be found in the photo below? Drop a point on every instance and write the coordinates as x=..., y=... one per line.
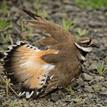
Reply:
x=25, y=64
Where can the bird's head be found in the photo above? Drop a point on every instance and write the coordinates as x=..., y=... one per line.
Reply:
x=84, y=46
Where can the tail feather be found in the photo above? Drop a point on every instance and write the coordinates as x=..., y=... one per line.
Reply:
x=24, y=64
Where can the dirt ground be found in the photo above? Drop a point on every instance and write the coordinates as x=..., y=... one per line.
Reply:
x=90, y=89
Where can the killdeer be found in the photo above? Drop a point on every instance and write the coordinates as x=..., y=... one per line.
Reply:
x=42, y=71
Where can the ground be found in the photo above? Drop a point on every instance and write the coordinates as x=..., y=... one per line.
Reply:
x=90, y=89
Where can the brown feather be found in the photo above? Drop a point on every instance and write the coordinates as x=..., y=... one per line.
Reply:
x=65, y=54
x=48, y=41
x=57, y=32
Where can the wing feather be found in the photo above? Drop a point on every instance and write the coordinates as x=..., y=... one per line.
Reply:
x=27, y=66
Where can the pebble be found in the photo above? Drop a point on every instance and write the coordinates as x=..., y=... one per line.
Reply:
x=88, y=89
x=87, y=77
x=104, y=93
x=98, y=78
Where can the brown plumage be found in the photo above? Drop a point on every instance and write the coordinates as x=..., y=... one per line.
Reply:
x=42, y=71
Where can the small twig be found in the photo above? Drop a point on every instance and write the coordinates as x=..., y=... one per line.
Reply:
x=8, y=86
x=13, y=90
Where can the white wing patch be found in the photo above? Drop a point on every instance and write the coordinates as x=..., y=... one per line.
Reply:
x=48, y=67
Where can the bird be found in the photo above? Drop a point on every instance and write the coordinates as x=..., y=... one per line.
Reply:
x=40, y=71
